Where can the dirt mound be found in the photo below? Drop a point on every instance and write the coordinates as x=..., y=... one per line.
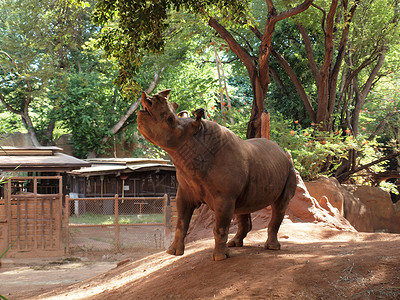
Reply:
x=315, y=262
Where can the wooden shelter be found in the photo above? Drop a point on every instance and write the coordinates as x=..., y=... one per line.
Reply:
x=31, y=195
x=125, y=177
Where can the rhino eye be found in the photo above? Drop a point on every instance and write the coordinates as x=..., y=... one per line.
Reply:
x=170, y=120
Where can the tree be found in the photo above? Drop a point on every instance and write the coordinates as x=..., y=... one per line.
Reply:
x=354, y=44
x=40, y=41
x=142, y=25
x=19, y=91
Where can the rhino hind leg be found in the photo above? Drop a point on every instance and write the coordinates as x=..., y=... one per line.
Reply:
x=273, y=227
x=278, y=212
x=244, y=226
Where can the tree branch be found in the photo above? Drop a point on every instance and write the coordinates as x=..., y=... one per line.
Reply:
x=293, y=11
x=323, y=17
x=360, y=168
x=374, y=73
x=382, y=124
x=9, y=107
x=243, y=55
x=309, y=52
x=117, y=126
x=297, y=84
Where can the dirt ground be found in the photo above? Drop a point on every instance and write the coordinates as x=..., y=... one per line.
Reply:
x=315, y=262
x=21, y=277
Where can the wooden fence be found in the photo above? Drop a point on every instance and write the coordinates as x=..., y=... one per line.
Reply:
x=31, y=219
x=117, y=207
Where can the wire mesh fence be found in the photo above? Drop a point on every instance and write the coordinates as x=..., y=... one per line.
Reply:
x=116, y=223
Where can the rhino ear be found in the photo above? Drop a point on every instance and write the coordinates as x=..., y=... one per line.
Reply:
x=199, y=114
x=174, y=105
x=165, y=93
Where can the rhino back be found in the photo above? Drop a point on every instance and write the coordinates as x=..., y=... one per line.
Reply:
x=216, y=163
x=268, y=171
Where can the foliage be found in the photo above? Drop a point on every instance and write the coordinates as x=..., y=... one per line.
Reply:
x=40, y=41
x=83, y=109
x=316, y=152
x=50, y=62
x=136, y=28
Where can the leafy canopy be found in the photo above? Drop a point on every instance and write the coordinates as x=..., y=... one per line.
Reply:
x=131, y=29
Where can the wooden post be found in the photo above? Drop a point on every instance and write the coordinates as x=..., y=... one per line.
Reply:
x=59, y=207
x=116, y=224
x=67, y=208
x=35, y=219
x=8, y=211
x=167, y=222
x=265, y=128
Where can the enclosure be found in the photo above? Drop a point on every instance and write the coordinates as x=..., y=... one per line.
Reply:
x=117, y=223
x=31, y=216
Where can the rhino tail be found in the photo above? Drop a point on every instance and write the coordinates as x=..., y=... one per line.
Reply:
x=290, y=187
x=289, y=156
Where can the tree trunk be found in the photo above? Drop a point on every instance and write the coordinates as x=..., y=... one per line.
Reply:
x=258, y=74
x=26, y=120
x=31, y=130
x=360, y=96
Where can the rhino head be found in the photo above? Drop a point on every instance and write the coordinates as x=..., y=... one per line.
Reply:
x=159, y=123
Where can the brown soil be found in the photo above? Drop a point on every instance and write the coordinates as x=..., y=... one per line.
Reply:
x=316, y=262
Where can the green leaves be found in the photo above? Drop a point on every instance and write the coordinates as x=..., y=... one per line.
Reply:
x=133, y=29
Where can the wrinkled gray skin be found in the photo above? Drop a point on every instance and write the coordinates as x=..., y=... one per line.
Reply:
x=216, y=167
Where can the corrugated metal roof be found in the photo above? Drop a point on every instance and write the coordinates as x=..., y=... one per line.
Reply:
x=55, y=162
x=113, y=166
x=126, y=161
x=95, y=169
x=152, y=166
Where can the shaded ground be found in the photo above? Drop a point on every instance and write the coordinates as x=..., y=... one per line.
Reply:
x=316, y=262
x=31, y=276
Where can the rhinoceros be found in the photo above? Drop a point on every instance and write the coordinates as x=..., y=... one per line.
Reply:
x=217, y=168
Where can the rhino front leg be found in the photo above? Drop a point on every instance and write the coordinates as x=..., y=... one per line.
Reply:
x=244, y=226
x=185, y=211
x=223, y=219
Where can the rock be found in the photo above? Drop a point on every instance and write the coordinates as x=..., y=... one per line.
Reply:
x=305, y=208
x=383, y=215
x=327, y=187
x=65, y=143
x=354, y=210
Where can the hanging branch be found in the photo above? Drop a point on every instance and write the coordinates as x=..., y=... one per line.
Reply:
x=221, y=77
x=117, y=126
x=342, y=177
x=382, y=124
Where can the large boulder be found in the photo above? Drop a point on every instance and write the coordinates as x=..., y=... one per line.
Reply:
x=350, y=207
x=383, y=215
x=305, y=208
